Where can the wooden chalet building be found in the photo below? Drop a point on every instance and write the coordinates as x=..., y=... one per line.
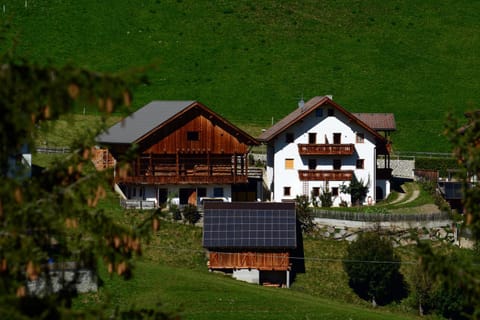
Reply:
x=252, y=240
x=186, y=152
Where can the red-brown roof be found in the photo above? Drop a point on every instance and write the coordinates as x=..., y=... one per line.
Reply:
x=300, y=113
x=378, y=121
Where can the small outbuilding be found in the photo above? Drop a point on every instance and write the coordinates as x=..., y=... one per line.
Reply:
x=252, y=240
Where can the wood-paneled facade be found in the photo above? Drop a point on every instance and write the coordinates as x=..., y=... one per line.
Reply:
x=192, y=146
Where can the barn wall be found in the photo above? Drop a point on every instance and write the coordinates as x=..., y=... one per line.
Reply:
x=212, y=138
x=249, y=260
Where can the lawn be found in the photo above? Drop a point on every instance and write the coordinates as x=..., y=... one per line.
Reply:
x=251, y=61
x=173, y=272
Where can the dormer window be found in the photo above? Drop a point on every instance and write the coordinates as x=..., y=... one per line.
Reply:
x=192, y=135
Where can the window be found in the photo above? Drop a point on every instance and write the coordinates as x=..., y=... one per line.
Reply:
x=289, y=137
x=337, y=138
x=288, y=163
x=218, y=192
x=331, y=112
x=319, y=112
x=360, y=137
x=286, y=191
x=312, y=164
x=192, y=135
x=335, y=191
x=337, y=164
x=315, y=191
x=312, y=138
x=360, y=163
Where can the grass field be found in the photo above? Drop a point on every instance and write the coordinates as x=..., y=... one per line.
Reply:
x=173, y=272
x=251, y=61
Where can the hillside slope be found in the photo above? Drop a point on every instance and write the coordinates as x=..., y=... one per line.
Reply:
x=251, y=61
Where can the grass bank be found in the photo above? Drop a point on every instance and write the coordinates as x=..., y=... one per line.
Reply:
x=251, y=61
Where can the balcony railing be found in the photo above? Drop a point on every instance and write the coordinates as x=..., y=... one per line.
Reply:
x=325, y=175
x=326, y=149
x=190, y=179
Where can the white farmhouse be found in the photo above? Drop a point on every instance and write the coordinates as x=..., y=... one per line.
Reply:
x=321, y=146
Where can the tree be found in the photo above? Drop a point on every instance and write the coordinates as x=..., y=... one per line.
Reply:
x=373, y=269
x=55, y=216
x=358, y=190
x=455, y=272
x=304, y=213
x=326, y=198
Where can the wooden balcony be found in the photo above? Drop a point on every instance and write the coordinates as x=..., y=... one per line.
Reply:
x=325, y=175
x=190, y=179
x=384, y=173
x=326, y=149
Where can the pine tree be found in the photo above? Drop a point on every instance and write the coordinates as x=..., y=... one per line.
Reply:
x=55, y=216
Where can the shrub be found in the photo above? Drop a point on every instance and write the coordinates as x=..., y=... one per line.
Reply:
x=175, y=211
x=326, y=198
x=191, y=214
x=304, y=213
x=357, y=189
x=373, y=270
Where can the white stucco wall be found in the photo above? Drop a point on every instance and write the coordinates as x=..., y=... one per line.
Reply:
x=324, y=127
x=150, y=191
x=250, y=276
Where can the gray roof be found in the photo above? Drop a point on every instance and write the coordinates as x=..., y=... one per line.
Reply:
x=142, y=121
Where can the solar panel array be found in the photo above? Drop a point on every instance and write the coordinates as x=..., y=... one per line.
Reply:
x=249, y=226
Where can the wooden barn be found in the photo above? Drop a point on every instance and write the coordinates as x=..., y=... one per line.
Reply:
x=254, y=241
x=186, y=152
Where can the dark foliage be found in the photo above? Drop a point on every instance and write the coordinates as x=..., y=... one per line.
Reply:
x=373, y=270
x=357, y=189
x=55, y=215
x=304, y=213
x=326, y=198
x=191, y=214
x=452, y=304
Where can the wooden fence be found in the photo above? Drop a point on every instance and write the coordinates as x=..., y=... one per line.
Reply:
x=380, y=217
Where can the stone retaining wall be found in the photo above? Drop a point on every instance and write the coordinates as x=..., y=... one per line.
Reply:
x=401, y=233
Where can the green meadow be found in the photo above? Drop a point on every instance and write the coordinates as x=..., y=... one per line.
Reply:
x=251, y=61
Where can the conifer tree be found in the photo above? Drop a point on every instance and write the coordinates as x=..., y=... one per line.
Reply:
x=55, y=216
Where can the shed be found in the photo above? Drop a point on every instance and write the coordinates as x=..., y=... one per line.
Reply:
x=253, y=240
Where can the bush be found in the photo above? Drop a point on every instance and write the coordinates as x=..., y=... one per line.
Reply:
x=304, y=213
x=175, y=211
x=373, y=270
x=326, y=198
x=191, y=214
x=452, y=304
